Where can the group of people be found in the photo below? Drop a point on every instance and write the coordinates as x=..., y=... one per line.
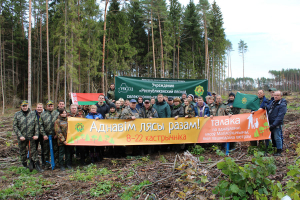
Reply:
x=38, y=125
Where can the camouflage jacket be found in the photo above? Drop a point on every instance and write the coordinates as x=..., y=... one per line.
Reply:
x=189, y=110
x=61, y=128
x=127, y=113
x=25, y=125
x=111, y=115
x=119, y=110
x=46, y=121
x=234, y=110
x=151, y=112
x=219, y=110
x=79, y=114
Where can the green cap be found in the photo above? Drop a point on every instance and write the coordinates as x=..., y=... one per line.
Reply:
x=272, y=89
x=24, y=102
x=49, y=102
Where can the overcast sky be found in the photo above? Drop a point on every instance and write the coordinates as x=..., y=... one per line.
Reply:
x=271, y=29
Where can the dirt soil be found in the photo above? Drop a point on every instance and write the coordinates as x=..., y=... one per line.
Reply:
x=139, y=177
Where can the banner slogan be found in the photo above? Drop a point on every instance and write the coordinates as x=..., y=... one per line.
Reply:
x=237, y=128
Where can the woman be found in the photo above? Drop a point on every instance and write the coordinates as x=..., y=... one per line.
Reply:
x=113, y=113
x=61, y=127
x=177, y=110
x=189, y=110
x=118, y=107
x=122, y=102
x=97, y=152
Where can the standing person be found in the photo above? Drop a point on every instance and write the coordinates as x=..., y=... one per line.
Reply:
x=189, y=110
x=147, y=111
x=234, y=111
x=126, y=104
x=40, y=140
x=86, y=110
x=166, y=98
x=61, y=128
x=191, y=98
x=177, y=110
x=47, y=119
x=276, y=111
x=201, y=109
x=214, y=94
x=207, y=99
x=111, y=93
x=196, y=99
x=74, y=112
x=162, y=107
x=170, y=102
x=95, y=152
x=25, y=126
x=122, y=102
x=113, y=113
x=219, y=108
x=130, y=112
x=152, y=101
x=61, y=105
x=102, y=107
x=118, y=107
x=140, y=103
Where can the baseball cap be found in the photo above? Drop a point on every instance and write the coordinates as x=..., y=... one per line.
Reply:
x=24, y=102
x=132, y=101
x=147, y=101
x=49, y=102
x=170, y=99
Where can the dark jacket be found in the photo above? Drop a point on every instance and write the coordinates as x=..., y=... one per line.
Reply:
x=205, y=110
x=139, y=106
x=102, y=109
x=189, y=110
x=163, y=109
x=276, y=111
x=111, y=94
x=61, y=129
x=177, y=111
x=264, y=102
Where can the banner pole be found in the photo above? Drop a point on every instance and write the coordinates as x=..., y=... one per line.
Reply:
x=227, y=148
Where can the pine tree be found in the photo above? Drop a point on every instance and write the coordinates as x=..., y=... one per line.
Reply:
x=243, y=48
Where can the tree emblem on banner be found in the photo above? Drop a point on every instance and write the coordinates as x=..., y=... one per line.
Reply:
x=244, y=100
x=79, y=127
x=199, y=90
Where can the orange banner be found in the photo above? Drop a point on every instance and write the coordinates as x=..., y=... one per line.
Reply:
x=237, y=128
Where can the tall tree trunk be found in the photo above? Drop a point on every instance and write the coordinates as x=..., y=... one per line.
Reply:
x=213, y=70
x=13, y=59
x=29, y=57
x=53, y=70
x=2, y=86
x=243, y=70
x=161, y=49
x=153, y=50
x=79, y=50
x=58, y=71
x=48, y=64
x=174, y=57
x=178, y=45
x=103, y=49
x=206, y=52
x=41, y=59
x=65, y=83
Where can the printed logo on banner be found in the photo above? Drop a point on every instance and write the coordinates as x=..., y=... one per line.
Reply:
x=244, y=100
x=79, y=127
x=124, y=88
x=199, y=90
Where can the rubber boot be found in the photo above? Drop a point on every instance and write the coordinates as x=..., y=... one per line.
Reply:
x=38, y=167
x=62, y=168
x=69, y=166
x=278, y=153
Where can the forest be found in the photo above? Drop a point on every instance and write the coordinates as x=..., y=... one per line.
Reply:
x=52, y=47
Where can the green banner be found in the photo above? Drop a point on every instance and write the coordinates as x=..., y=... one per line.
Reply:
x=133, y=87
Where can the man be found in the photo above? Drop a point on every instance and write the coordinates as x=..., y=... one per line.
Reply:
x=166, y=98
x=38, y=112
x=74, y=112
x=183, y=97
x=140, y=103
x=130, y=112
x=170, y=102
x=219, y=108
x=111, y=93
x=196, y=99
x=276, y=111
x=47, y=119
x=126, y=104
x=113, y=114
x=152, y=101
x=118, y=107
x=61, y=105
x=201, y=110
x=230, y=101
x=147, y=111
x=214, y=94
x=162, y=108
x=102, y=107
x=86, y=110
x=25, y=126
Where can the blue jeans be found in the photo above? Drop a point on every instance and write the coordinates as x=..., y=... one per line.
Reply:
x=277, y=138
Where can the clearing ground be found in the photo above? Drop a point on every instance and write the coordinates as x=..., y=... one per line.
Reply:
x=164, y=175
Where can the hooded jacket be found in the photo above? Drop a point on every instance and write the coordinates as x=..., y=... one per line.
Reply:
x=139, y=106
x=61, y=128
x=205, y=110
x=94, y=116
x=163, y=109
x=46, y=121
x=177, y=111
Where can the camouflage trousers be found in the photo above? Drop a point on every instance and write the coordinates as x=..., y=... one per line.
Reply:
x=65, y=151
x=47, y=150
x=24, y=150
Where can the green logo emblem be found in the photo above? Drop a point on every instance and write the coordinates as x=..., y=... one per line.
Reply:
x=199, y=90
x=79, y=127
x=244, y=100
